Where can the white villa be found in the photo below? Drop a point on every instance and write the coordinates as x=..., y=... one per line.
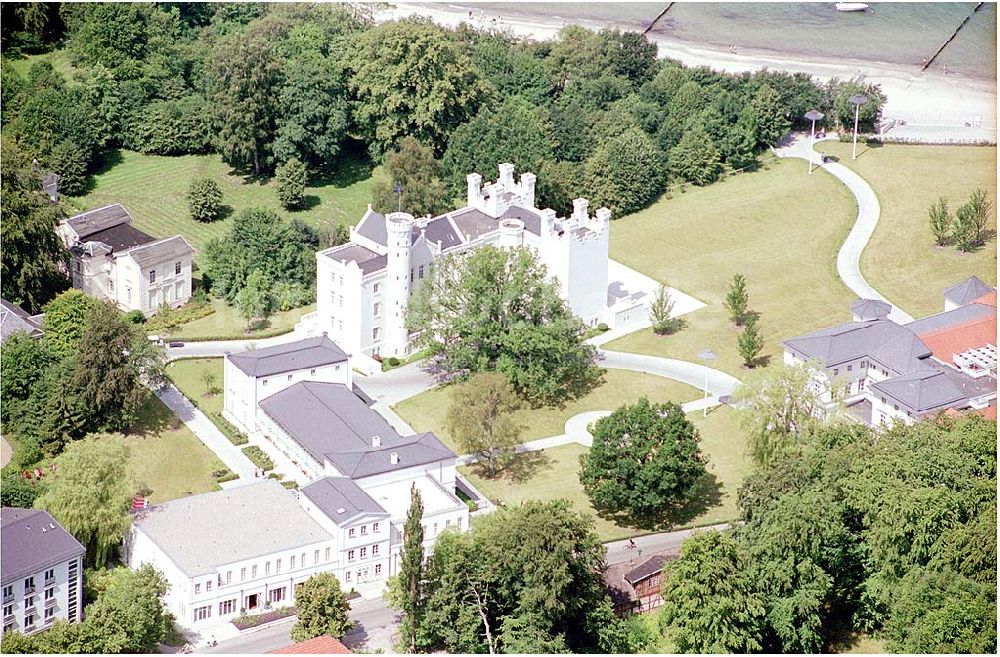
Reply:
x=111, y=259
x=240, y=549
x=363, y=287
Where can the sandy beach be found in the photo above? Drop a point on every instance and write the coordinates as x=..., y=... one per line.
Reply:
x=932, y=107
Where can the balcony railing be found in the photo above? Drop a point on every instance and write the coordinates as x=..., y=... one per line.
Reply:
x=49, y=620
x=28, y=590
x=9, y=618
x=51, y=602
x=8, y=597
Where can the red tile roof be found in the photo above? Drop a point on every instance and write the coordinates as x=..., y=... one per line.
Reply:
x=321, y=645
x=988, y=299
x=990, y=412
x=947, y=342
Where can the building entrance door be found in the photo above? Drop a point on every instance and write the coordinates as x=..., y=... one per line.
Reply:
x=252, y=601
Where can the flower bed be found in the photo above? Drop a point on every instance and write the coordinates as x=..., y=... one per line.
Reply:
x=234, y=435
x=247, y=621
x=258, y=457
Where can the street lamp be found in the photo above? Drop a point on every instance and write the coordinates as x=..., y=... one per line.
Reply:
x=708, y=356
x=857, y=100
x=813, y=116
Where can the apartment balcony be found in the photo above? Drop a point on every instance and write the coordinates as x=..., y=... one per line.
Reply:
x=51, y=602
x=49, y=583
x=28, y=590
x=8, y=597
x=9, y=618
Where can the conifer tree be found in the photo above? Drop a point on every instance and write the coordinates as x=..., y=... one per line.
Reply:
x=941, y=222
x=411, y=572
x=750, y=342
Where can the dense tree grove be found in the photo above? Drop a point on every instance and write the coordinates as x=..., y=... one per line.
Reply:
x=889, y=531
x=263, y=84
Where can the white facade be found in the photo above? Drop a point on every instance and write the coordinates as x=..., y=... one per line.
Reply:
x=363, y=287
x=32, y=603
x=244, y=391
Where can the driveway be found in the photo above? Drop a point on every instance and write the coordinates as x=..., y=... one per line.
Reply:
x=718, y=382
x=849, y=256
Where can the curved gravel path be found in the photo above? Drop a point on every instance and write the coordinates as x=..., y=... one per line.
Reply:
x=849, y=256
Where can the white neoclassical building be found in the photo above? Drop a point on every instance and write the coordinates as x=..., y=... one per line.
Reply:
x=363, y=287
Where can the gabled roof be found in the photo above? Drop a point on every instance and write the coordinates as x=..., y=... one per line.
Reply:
x=298, y=355
x=320, y=645
x=331, y=423
x=92, y=221
x=366, y=259
x=372, y=226
x=892, y=345
x=13, y=319
x=341, y=500
x=951, y=318
x=967, y=291
x=988, y=299
x=648, y=568
x=441, y=230
x=868, y=309
x=200, y=533
x=165, y=250
x=33, y=541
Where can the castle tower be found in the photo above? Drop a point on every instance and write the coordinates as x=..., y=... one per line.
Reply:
x=397, y=285
x=511, y=233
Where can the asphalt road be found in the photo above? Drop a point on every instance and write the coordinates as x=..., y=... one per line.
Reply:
x=374, y=627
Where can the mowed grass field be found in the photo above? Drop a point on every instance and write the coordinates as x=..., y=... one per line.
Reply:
x=901, y=260
x=167, y=457
x=428, y=411
x=187, y=375
x=226, y=323
x=778, y=226
x=554, y=473
x=153, y=188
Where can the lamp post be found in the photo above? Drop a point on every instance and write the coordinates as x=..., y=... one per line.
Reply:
x=813, y=116
x=857, y=100
x=708, y=356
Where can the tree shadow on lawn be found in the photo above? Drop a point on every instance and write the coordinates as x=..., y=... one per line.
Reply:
x=104, y=162
x=352, y=166
x=154, y=417
x=308, y=202
x=707, y=495
x=520, y=468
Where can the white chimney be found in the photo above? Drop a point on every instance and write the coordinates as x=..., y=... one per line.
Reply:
x=376, y=441
x=394, y=458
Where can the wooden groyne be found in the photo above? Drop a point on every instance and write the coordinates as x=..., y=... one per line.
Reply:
x=665, y=10
x=934, y=56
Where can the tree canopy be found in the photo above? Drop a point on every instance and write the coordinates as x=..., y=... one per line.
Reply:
x=497, y=309
x=322, y=608
x=479, y=418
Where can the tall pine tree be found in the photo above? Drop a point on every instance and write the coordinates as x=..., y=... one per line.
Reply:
x=411, y=572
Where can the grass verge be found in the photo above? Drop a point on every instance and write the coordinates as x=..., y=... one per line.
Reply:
x=225, y=323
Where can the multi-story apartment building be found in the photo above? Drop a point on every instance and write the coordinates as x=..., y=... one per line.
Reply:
x=41, y=568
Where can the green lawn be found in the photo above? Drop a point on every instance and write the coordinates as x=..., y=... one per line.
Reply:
x=428, y=410
x=779, y=226
x=60, y=60
x=153, y=189
x=226, y=323
x=553, y=473
x=901, y=260
x=167, y=457
x=186, y=375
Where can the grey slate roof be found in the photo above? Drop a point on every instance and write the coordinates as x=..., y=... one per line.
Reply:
x=330, y=422
x=121, y=237
x=441, y=230
x=372, y=226
x=298, y=355
x=868, y=309
x=341, y=500
x=165, y=250
x=647, y=568
x=968, y=290
x=14, y=319
x=950, y=318
x=921, y=391
x=367, y=260
x=474, y=223
x=202, y=532
x=33, y=541
x=99, y=219
x=532, y=220
x=892, y=345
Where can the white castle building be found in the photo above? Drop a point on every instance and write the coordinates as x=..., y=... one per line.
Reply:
x=363, y=287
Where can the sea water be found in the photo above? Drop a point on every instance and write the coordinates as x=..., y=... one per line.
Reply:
x=900, y=34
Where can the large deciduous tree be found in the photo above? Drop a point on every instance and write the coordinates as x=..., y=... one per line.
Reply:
x=31, y=251
x=533, y=571
x=768, y=115
x=66, y=321
x=322, y=608
x=409, y=78
x=204, y=199
x=254, y=301
x=695, y=158
x=497, y=309
x=89, y=495
x=479, y=418
x=645, y=464
x=625, y=173
x=128, y=615
x=290, y=183
x=416, y=171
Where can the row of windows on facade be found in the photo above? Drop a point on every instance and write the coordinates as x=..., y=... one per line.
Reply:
x=152, y=272
x=864, y=366
x=311, y=373
x=48, y=614
x=29, y=585
x=377, y=286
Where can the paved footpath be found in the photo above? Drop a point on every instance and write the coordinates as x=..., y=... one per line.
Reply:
x=208, y=433
x=849, y=256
